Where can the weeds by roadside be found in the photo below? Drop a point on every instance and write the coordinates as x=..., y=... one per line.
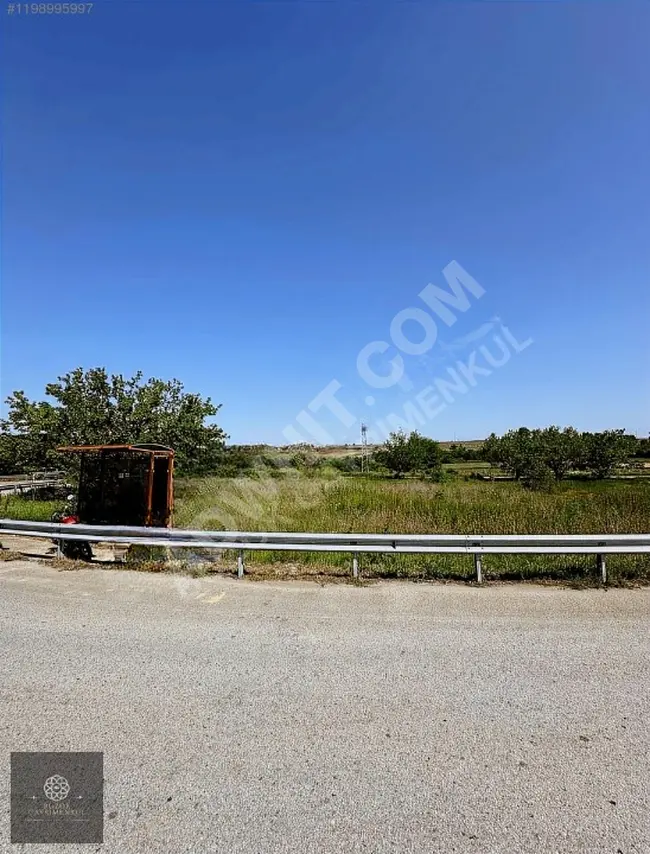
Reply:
x=369, y=505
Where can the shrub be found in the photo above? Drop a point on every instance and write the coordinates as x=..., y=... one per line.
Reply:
x=538, y=476
x=349, y=465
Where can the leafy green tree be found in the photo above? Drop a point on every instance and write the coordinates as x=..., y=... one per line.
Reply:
x=458, y=453
x=560, y=450
x=527, y=453
x=491, y=450
x=11, y=458
x=516, y=451
x=395, y=454
x=28, y=436
x=402, y=454
x=426, y=456
x=91, y=407
x=604, y=451
x=642, y=448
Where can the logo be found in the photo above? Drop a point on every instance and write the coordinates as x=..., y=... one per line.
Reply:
x=57, y=797
x=56, y=788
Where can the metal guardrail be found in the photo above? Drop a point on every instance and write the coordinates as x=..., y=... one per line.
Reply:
x=35, y=475
x=26, y=485
x=477, y=545
x=19, y=483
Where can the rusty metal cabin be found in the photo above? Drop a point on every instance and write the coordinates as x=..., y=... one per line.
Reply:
x=125, y=484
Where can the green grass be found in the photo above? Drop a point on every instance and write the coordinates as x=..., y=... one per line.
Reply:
x=362, y=505
x=16, y=507
x=330, y=503
x=466, y=467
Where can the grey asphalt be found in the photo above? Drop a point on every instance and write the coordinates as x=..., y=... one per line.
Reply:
x=289, y=717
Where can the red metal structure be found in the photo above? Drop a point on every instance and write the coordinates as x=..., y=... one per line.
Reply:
x=125, y=484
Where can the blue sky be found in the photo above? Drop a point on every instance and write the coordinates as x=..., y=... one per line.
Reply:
x=244, y=195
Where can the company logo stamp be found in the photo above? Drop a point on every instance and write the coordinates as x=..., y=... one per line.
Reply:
x=57, y=797
x=56, y=788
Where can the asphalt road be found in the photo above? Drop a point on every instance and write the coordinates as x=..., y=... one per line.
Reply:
x=255, y=717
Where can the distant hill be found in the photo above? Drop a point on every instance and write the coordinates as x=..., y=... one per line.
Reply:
x=342, y=450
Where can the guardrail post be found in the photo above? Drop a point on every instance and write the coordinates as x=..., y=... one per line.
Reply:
x=240, y=564
x=602, y=567
x=355, y=565
x=478, y=566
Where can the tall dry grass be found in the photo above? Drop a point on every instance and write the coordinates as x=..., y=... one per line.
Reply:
x=346, y=505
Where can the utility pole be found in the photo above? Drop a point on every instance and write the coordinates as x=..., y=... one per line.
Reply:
x=365, y=466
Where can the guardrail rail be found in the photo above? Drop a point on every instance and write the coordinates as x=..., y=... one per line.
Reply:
x=12, y=484
x=477, y=545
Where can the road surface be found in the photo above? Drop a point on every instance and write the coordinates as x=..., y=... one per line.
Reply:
x=258, y=717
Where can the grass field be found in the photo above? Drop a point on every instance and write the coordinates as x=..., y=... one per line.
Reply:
x=361, y=505
x=331, y=503
x=17, y=507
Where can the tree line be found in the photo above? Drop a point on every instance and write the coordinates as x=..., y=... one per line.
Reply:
x=93, y=407
x=540, y=457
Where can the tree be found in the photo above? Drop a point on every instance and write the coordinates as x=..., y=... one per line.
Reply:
x=491, y=450
x=516, y=450
x=11, y=458
x=426, y=456
x=395, y=454
x=527, y=453
x=458, y=453
x=91, y=407
x=560, y=450
x=604, y=451
x=402, y=454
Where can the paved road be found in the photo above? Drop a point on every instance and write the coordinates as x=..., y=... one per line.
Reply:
x=252, y=717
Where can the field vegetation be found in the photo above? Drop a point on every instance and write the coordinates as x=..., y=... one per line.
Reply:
x=30, y=509
x=549, y=480
x=375, y=505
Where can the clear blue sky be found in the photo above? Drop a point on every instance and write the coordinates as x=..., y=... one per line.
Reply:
x=243, y=195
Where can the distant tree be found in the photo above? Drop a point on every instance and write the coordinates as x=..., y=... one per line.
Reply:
x=458, y=453
x=560, y=450
x=234, y=461
x=604, y=451
x=307, y=461
x=426, y=456
x=642, y=448
x=447, y=456
x=402, y=454
x=491, y=450
x=516, y=451
x=528, y=453
x=91, y=407
x=395, y=454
